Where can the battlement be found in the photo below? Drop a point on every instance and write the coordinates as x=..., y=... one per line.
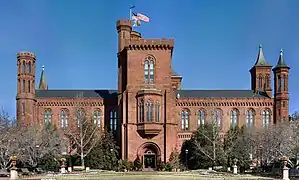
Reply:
x=120, y=23
x=135, y=35
x=26, y=54
x=149, y=43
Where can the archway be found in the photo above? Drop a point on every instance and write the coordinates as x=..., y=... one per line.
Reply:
x=150, y=154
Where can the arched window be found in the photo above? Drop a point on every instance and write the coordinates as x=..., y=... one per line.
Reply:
x=149, y=111
x=282, y=83
x=80, y=116
x=266, y=117
x=278, y=83
x=64, y=118
x=157, y=112
x=234, y=117
x=29, y=67
x=97, y=118
x=285, y=83
x=260, y=82
x=113, y=120
x=141, y=111
x=217, y=120
x=23, y=109
x=24, y=67
x=47, y=116
x=185, y=120
x=267, y=81
x=24, y=86
x=149, y=70
x=146, y=73
x=250, y=118
x=201, y=116
x=29, y=89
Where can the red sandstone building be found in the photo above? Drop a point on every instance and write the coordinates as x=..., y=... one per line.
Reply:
x=149, y=112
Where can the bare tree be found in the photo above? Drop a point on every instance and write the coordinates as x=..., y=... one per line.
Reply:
x=35, y=142
x=7, y=139
x=85, y=136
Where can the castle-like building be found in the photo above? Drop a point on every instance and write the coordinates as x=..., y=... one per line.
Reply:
x=149, y=113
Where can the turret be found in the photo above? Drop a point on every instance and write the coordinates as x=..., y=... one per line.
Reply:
x=261, y=74
x=281, y=89
x=43, y=85
x=124, y=29
x=25, y=87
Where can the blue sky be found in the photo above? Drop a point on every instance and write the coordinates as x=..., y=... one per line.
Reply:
x=216, y=41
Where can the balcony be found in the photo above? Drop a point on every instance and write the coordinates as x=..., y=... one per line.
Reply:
x=149, y=129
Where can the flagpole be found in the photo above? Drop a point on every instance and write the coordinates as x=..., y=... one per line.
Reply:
x=131, y=11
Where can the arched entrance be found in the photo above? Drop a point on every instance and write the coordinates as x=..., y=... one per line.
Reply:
x=150, y=154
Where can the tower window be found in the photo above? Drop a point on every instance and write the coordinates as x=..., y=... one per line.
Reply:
x=23, y=109
x=157, y=112
x=267, y=82
x=185, y=120
x=24, y=67
x=234, y=118
x=250, y=118
x=278, y=83
x=149, y=112
x=24, y=86
x=260, y=82
x=141, y=111
x=29, y=67
x=149, y=70
x=282, y=84
x=29, y=86
x=113, y=120
x=201, y=118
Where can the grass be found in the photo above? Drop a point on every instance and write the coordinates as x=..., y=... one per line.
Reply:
x=157, y=176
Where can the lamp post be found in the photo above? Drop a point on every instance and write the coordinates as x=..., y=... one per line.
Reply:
x=186, y=161
x=37, y=155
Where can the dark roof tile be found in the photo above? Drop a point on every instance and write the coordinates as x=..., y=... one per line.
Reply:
x=220, y=94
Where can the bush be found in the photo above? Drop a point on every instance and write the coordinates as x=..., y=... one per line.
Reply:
x=137, y=164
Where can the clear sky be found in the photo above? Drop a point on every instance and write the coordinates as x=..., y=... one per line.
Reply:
x=216, y=41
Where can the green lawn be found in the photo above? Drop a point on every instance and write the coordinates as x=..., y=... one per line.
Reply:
x=158, y=176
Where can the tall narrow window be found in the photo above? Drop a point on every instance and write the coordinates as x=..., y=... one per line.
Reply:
x=285, y=83
x=24, y=67
x=260, y=82
x=24, y=86
x=47, y=116
x=201, y=118
x=64, y=118
x=234, y=117
x=80, y=117
x=29, y=67
x=185, y=120
x=29, y=89
x=267, y=82
x=266, y=118
x=150, y=115
x=151, y=71
x=141, y=111
x=250, y=118
x=113, y=120
x=157, y=112
x=218, y=118
x=278, y=83
x=146, y=73
x=97, y=118
x=23, y=109
x=282, y=83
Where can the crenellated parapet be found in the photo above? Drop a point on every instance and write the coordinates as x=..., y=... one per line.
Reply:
x=225, y=102
x=149, y=44
x=26, y=54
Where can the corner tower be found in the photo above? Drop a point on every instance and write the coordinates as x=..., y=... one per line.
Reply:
x=281, y=89
x=25, y=88
x=261, y=74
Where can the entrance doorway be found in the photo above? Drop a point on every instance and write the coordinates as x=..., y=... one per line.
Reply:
x=149, y=159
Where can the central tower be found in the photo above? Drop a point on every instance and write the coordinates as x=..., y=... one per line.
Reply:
x=146, y=95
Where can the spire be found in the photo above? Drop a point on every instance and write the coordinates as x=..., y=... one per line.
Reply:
x=261, y=61
x=43, y=85
x=281, y=63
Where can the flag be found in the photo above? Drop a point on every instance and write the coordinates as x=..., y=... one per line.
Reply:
x=143, y=17
x=135, y=20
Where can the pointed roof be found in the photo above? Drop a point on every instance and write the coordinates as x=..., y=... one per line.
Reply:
x=261, y=61
x=43, y=85
x=281, y=62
